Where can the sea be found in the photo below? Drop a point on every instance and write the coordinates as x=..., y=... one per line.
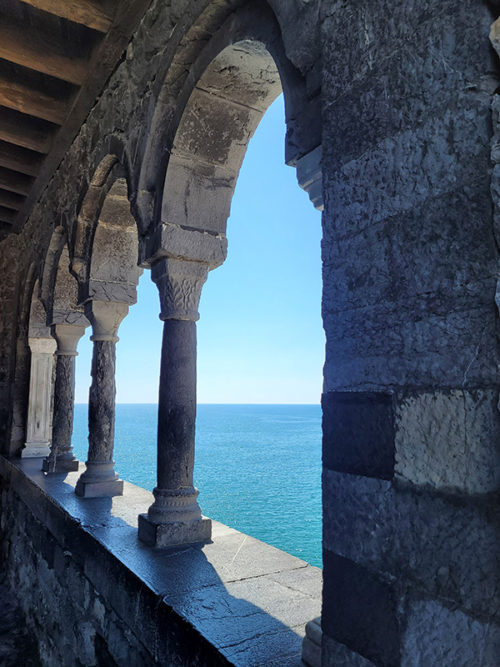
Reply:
x=257, y=467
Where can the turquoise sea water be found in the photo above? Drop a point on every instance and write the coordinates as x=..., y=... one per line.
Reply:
x=258, y=467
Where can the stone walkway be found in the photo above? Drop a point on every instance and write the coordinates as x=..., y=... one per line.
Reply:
x=17, y=648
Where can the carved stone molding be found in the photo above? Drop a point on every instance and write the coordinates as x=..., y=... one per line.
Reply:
x=174, y=505
x=310, y=176
x=180, y=283
x=173, y=241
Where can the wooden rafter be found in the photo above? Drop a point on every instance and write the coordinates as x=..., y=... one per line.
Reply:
x=23, y=98
x=24, y=131
x=38, y=52
x=42, y=53
x=85, y=12
x=19, y=159
x=13, y=181
x=11, y=200
x=7, y=215
x=50, y=74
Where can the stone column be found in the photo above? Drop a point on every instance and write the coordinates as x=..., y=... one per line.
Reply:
x=175, y=516
x=61, y=457
x=100, y=478
x=40, y=397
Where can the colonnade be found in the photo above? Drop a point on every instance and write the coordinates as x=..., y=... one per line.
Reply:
x=175, y=516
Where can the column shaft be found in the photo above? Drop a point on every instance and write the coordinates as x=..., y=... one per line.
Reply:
x=177, y=405
x=102, y=402
x=38, y=428
x=100, y=478
x=61, y=458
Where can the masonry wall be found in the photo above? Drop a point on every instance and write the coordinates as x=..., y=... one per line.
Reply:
x=411, y=423
x=82, y=605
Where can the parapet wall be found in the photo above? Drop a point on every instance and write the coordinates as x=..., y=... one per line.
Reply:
x=93, y=594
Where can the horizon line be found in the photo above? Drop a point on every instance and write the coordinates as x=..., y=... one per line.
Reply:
x=295, y=403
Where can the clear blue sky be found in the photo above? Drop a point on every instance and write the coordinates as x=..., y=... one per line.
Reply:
x=260, y=336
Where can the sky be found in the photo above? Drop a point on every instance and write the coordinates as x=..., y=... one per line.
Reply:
x=260, y=335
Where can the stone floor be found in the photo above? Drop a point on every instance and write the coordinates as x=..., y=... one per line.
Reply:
x=17, y=648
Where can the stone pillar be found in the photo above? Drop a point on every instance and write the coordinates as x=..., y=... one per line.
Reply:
x=61, y=457
x=40, y=397
x=175, y=516
x=100, y=478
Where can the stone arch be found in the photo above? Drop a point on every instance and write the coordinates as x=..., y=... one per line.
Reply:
x=59, y=289
x=197, y=141
x=197, y=144
x=105, y=253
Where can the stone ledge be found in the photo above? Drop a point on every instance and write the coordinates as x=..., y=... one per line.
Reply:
x=261, y=597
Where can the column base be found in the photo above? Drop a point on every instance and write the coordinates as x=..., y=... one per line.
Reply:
x=99, y=481
x=99, y=489
x=35, y=450
x=174, y=533
x=63, y=464
x=311, y=644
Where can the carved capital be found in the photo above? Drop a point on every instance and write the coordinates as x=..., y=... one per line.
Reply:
x=179, y=283
x=42, y=345
x=105, y=317
x=67, y=336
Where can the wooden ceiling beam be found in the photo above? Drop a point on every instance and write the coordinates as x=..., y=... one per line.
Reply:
x=21, y=97
x=86, y=12
x=19, y=159
x=7, y=215
x=11, y=200
x=24, y=131
x=13, y=181
x=42, y=53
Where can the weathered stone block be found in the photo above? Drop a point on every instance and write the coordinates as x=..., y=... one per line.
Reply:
x=358, y=433
x=437, y=635
x=442, y=544
x=361, y=612
x=449, y=440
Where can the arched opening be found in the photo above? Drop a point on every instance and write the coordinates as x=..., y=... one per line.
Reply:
x=105, y=261
x=67, y=322
x=261, y=350
x=240, y=75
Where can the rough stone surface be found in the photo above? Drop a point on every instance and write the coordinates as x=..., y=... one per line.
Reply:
x=440, y=544
x=450, y=440
x=358, y=433
x=438, y=635
x=17, y=645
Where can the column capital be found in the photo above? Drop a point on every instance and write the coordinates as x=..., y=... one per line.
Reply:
x=42, y=345
x=105, y=317
x=67, y=337
x=180, y=283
